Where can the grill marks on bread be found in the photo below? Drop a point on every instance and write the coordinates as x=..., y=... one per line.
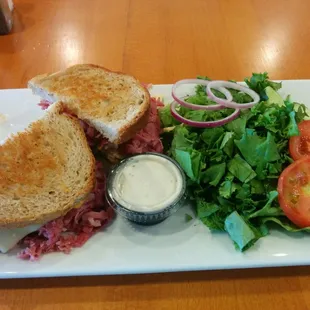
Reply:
x=114, y=103
x=45, y=171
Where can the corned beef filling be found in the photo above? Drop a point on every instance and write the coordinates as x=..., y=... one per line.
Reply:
x=146, y=140
x=78, y=225
x=73, y=229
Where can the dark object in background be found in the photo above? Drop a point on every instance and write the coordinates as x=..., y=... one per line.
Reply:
x=6, y=19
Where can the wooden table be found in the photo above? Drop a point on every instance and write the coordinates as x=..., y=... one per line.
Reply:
x=161, y=41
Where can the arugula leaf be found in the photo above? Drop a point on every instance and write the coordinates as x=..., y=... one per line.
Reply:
x=301, y=111
x=240, y=97
x=203, y=77
x=284, y=223
x=183, y=139
x=259, y=81
x=204, y=115
x=201, y=99
x=268, y=210
x=167, y=120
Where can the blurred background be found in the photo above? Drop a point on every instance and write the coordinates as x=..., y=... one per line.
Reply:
x=158, y=41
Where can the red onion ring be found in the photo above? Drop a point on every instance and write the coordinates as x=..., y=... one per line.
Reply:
x=191, y=106
x=210, y=124
x=229, y=103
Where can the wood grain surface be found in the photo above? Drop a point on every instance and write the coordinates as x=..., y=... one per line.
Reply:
x=160, y=41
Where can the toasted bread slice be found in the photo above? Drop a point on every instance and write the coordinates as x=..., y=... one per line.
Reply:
x=116, y=104
x=44, y=171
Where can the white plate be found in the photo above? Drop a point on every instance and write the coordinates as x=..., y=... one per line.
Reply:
x=173, y=245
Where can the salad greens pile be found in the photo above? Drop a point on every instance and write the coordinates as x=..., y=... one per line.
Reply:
x=233, y=170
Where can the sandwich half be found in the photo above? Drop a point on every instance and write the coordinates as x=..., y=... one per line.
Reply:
x=51, y=188
x=118, y=116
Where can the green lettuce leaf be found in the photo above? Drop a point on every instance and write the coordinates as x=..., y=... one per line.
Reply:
x=232, y=170
x=227, y=188
x=268, y=209
x=240, y=232
x=190, y=161
x=167, y=120
x=214, y=174
x=241, y=169
x=284, y=223
x=257, y=150
x=259, y=81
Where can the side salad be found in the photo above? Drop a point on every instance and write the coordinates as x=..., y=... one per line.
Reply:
x=233, y=168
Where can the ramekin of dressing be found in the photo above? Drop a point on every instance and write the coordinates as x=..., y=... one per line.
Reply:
x=146, y=188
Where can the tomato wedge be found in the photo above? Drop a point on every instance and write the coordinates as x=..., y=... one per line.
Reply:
x=294, y=192
x=300, y=145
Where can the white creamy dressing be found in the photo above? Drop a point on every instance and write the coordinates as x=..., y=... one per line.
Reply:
x=147, y=183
